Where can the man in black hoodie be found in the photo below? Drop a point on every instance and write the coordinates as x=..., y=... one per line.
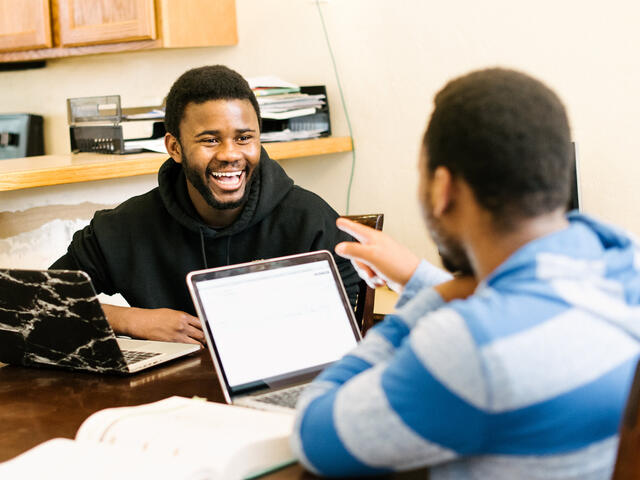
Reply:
x=221, y=200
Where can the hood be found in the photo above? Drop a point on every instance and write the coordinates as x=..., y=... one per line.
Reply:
x=590, y=264
x=270, y=185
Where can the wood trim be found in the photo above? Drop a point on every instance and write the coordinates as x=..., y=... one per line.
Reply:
x=306, y=148
x=46, y=170
x=59, y=52
x=15, y=223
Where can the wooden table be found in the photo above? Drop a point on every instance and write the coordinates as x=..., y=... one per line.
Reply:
x=39, y=404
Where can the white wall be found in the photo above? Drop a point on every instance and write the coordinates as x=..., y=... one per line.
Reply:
x=392, y=58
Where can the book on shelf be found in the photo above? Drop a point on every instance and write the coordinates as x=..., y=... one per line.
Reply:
x=175, y=438
x=271, y=85
x=265, y=91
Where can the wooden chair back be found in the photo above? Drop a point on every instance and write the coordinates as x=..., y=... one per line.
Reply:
x=366, y=294
x=628, y=458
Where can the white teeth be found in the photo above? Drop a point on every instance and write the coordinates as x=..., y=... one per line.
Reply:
x=226, y=174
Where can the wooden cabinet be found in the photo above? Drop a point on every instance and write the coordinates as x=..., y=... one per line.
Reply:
x=90, y=22
x=41, y=29
x=24, y=25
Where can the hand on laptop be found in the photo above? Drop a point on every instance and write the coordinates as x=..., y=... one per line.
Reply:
x=378, y=258
x=161, y=324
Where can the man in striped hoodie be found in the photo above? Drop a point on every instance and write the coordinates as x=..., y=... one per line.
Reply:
x=518, y=366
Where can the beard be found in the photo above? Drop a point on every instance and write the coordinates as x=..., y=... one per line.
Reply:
x=198, y=182
x=454, y=258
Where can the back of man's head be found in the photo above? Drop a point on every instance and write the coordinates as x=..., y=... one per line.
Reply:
x=199, y=85
x=507, y=135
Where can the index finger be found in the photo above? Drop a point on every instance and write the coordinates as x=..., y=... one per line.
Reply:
x=358, y=231
x=354, y=250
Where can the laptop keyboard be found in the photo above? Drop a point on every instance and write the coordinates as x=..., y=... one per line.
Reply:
x=284, y=398
x=132, y=356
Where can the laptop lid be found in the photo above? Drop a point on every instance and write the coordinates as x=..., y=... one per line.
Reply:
x=53, y=318
x=273, y=323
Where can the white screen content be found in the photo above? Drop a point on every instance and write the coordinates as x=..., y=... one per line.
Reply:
x=273, y=322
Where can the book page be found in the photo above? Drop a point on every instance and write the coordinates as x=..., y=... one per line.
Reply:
x=64, y=459
x=215, y=435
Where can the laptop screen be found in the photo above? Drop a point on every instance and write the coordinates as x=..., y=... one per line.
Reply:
x=275, y=320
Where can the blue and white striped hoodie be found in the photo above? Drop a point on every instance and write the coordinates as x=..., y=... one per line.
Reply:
x=525, y=379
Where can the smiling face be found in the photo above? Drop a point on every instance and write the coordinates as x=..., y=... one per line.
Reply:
x=219, y=149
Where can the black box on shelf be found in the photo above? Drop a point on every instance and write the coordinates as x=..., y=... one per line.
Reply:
x=96, y=124
x=21, y=135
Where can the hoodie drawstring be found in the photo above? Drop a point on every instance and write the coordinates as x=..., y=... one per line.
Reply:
x=204, y=254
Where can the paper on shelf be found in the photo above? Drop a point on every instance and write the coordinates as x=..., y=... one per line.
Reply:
x=300, y=112
x=153, y=145
x=288, y=135
x=150, y=115
x=269, y=81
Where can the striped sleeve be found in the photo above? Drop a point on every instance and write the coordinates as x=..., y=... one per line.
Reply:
x=381, y=341
x=425, y=277
x=423, y=405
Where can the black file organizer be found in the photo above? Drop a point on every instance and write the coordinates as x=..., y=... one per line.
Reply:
x=95, y=124
x=321, y=117
x=21, y=135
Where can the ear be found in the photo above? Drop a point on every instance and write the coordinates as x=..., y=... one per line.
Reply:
x=441, y=191
x=173, y=147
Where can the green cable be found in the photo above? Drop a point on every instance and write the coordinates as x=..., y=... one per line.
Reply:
x=344, y=106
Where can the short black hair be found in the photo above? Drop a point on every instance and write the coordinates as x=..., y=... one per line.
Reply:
x=507, y=135
x=199, y=85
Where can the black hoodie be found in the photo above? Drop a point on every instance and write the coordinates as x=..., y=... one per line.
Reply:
x=144, y=248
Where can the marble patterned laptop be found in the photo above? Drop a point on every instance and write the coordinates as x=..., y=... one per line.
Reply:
x=53, y=318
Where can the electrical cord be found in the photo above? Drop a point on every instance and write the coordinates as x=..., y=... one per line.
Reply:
x=344, y=106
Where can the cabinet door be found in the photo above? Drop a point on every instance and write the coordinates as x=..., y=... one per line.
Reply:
x=92, y=22
x=24, y=25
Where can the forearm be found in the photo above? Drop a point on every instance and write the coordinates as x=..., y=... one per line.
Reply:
x=381, y=341
x=162, y=324
x=369, y=426
x=424, y=277
x=316, y=406
x=121, y=319
x=422, y=407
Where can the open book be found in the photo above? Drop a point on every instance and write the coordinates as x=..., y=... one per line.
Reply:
x=175, y=438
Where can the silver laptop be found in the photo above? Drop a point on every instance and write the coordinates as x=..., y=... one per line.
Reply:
x=273, y=325
x=53, y=318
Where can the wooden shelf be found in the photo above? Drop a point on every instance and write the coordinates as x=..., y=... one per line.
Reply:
x=46, y=170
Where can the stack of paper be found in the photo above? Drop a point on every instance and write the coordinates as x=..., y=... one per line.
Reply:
x=290, y=105
x=288, y=135
x=271, y=85
x=281, y=101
